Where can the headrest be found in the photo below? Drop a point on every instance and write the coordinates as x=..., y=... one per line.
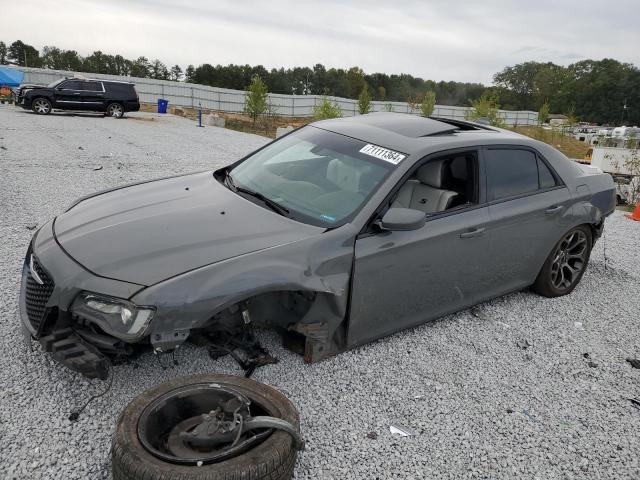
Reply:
x=459, y=168
x=431, y=173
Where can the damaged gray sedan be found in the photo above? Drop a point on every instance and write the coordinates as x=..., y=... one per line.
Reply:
x=337, y=234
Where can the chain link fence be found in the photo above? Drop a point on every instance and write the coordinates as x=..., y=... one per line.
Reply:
x=183, y=94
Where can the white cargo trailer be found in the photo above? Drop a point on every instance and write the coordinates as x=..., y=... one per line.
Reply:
x=618, y=161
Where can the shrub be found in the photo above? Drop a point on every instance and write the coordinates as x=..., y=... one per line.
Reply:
x=486, y=107
x=256, y=100
x=428, y=104
x=327, y=109
x=364, y=101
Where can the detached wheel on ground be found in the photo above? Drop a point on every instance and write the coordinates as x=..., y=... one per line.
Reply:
x=41, y=106
x=207, y=427
x=566, y=263
x=115, y=110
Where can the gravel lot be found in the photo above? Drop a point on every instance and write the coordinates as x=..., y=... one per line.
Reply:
x=480, y=404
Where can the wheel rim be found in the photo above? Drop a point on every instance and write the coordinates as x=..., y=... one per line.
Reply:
x=115, y=110
x=569, y=260
x=165, y=421
x=41, y=106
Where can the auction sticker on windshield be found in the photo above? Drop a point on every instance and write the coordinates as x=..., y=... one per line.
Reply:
x=383, y=153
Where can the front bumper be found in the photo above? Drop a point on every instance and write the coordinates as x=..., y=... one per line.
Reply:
x=51, y=280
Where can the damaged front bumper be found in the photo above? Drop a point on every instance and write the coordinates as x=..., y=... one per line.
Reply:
x=51, y=280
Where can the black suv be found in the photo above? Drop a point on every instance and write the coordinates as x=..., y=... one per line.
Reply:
x=108, y=96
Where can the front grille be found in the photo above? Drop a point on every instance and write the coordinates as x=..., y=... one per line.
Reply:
x=37, y=295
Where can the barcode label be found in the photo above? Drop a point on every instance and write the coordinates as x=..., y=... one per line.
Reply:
x=383, y=154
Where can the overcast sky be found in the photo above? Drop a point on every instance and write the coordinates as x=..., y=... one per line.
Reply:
x=436, y=39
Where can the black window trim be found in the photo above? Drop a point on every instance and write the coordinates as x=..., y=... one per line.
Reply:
x=367, y=229
x=559, y=182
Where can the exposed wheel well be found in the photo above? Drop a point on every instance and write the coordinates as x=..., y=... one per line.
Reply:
x=299, y=316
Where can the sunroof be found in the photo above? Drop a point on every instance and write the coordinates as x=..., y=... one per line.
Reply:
x=406, y=125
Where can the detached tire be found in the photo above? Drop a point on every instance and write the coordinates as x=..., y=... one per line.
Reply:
x=565, y=265
x=272, y=459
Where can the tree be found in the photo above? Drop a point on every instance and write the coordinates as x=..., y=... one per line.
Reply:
x=327, y=109
x=543, y=113
x=364, y=101
x=189, y=74
x=256, y=99
x=176, y=73
x=3, y=53
x=159, y=70
x=486, y=108
x=23, y=54
x=428, y=104
x=141, y=68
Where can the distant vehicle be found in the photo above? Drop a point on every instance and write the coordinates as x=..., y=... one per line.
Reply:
x=336, y=234
x=111, y=97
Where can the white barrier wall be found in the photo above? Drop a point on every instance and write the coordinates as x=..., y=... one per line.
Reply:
x=227, y=100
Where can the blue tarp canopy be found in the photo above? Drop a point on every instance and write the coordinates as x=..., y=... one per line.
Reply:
x=10, y=77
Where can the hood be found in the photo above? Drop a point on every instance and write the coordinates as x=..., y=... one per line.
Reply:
x=149, y=232
x=30, y=86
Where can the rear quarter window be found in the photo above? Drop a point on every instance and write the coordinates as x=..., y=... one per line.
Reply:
x=120, y=89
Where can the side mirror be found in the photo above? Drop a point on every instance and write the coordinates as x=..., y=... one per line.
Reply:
x=402, y=219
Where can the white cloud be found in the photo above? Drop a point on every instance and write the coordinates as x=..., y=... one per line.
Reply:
x=437, y=39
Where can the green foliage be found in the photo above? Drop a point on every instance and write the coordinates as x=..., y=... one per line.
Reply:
x=189, y=74
x=486, y=107
x=23, y=54
x=3, y=53
x=256, y=100
x=175, y=73
x=364, y=101
x=572, y=118
x=597, y=89
x=428, y=104
x=326, y=109
x=543, y=113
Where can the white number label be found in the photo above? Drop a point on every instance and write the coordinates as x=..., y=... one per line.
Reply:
x=383, y=154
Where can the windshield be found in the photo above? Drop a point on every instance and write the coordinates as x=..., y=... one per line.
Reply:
x=54, y=84
x=319, y=177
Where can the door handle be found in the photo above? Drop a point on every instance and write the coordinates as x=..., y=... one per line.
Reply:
x=77, y=93
x=473, y=233
x=552, y=210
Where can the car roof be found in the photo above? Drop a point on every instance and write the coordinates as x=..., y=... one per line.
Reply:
x=85, y=79
x=415, y=135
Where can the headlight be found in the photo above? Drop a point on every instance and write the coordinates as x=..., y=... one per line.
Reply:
x=118, y=317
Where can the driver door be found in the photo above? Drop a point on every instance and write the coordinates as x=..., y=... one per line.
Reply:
x=404, y=278
x=68, y=95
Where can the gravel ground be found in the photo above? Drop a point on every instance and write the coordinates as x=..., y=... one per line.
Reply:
x=481, y=406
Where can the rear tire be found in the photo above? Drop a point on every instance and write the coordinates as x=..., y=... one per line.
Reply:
x=273, y=459
x=115, y=110
x=41, y=106
x=565, y=265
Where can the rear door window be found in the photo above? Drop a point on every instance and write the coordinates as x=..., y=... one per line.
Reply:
x=511, y=172
x=92, y=86
x=72, y=85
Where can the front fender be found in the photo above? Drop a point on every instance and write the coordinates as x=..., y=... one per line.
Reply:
x=319, y=264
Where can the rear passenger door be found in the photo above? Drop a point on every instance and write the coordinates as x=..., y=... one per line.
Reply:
x=527, y=200
x=92, y=96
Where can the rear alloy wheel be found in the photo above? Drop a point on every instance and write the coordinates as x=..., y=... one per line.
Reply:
x=207, y=427
x=115, y=110
x=41, y=106
x=566, y=264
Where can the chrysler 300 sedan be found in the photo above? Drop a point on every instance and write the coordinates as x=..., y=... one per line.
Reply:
x=342, y=232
